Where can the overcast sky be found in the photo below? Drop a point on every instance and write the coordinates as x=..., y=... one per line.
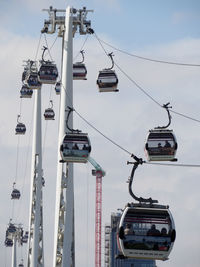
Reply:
x=162, y=30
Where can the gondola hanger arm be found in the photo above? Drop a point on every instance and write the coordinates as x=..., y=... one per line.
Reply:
x=113, y=63
x=139, y=199
x=44, y=49
x=69, y=112
x=166, y=107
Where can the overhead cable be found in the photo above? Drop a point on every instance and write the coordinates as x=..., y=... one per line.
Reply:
x=143, y=90
x=113, y=142
x=81, y=47
x=173, y=164
x=150, y=59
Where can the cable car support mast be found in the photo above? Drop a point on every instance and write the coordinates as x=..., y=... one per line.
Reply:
x=64, y=211
x=35, y=248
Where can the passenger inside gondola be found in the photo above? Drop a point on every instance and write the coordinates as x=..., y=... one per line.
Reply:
x=128, y=230
x=75, y=146
x=163, y=232
x=145, y=236
x=153, y=231
x=167, y=144
x=160, y=148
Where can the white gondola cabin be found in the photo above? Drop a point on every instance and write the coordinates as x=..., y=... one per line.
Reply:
x=15, y=194
x=107, y=81
x=24, y=73
x=146, y=232
x=79, y=71
x=48, y=72
x=161, y=145
x=25, y=237
x=20, y=128
x=58, y=88
x=75, y=148
x=33, y=81
x=8, y=242
x=49, y=114
x=21, y=264
x=26, y=92
x=11, y=228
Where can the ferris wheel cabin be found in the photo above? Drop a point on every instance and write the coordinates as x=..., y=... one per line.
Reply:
x=161, y=145
x=146, y=232
x=75, y=148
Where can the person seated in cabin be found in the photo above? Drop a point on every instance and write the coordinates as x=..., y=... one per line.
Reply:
x=128, y=230
x=84, y=147
x=75, y=147
x=163, y=232
x=167, y=144
x=65, y=146
x=153, y=231
x=159, y=145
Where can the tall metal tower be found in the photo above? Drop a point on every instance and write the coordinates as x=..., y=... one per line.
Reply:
x=14, y=234
x=64, y=252
x=35, y=248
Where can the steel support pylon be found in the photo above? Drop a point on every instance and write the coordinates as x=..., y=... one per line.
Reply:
x=35, y=248
x=64, y=211
x=68, y=25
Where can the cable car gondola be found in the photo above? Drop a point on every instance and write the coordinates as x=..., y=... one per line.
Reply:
x=49, y=113
x=161, y=143
x=20, y=128
x=58, y=88
x=11, y=228
x=24, y=73
x=79, y=69
x=21, y=264
x=107, y=80
x=25, y=237
x=26, y=92
x=75, y=148
x=8, y=242
x=146, y=232
x=48, y=72
x=32, y=81
x=15, y=194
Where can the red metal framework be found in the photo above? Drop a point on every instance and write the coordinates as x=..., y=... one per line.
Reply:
x=98, y=215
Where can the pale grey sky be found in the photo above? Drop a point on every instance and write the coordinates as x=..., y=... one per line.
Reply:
x=167, y=31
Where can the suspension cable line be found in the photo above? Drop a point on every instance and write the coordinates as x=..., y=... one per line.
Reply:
x=81, y=47
x=144, y=91
x=173, y=164
x=150, y=59
x=38, y=47
x=113, y=142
